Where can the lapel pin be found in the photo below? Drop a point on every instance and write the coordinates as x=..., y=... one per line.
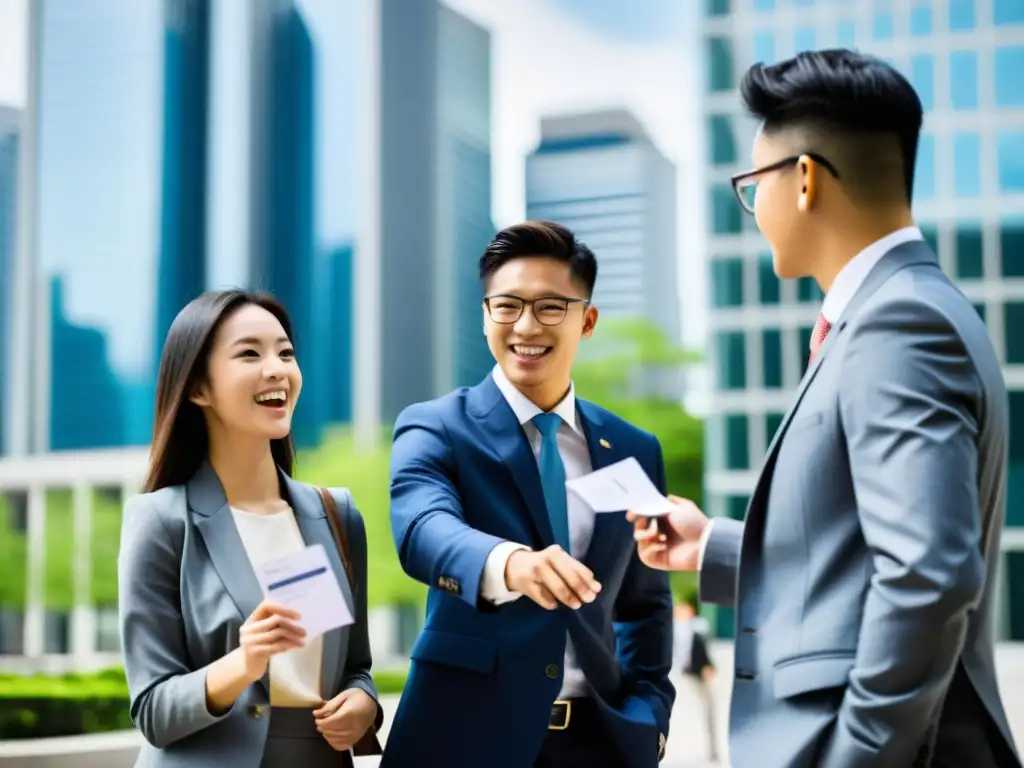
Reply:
x=604, y=443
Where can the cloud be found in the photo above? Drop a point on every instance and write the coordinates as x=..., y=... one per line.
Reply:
x=13, y=26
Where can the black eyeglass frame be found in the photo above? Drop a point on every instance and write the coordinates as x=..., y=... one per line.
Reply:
x=523, y=303
x=739, y=178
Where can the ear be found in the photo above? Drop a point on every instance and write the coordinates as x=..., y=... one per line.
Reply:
x=808, y=181
x=200, y=397
x=589, y=321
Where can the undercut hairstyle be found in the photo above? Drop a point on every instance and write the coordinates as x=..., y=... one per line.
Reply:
x=855, y=110
x=540, y=239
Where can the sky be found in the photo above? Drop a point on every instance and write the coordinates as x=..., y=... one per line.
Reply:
x=549, y=57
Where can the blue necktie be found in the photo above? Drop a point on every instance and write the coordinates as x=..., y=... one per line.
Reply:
x=552, y=477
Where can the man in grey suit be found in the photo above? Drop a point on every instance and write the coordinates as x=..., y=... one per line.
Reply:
x=863, y=575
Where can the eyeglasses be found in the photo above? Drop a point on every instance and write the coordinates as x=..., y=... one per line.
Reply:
x=745, y=184
x=549, y=310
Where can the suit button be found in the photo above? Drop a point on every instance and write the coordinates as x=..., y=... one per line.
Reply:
x=256, y=711
x=551, y=670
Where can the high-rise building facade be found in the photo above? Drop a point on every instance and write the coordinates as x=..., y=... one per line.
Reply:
x=9, y=143
x=435, y=200
x=600, y=175
x=965, y=59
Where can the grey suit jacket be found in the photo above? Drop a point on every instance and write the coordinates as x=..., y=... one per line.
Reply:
x=185, y=587
x=865, y=569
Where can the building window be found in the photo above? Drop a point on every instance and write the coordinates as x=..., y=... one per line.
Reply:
x=768, y=286
x=969, y=260
x=732, y=359
x=807, y=290
x=1007, y=12
x=719, y=7
x=846, y=34
x=1011, y=245
x=980, y=309
x=921, y=18
x=727, y=282
x=764, y=47
x=963, y=79
x=882, y=25
x=1015, y=514
x=924, y=173
x=1009, y=63
x=1013, y=317
x=1010, y=154
x=725, y=211
x=804, y=338
x=771, y=353
x=772, y=422
x=967, y=164
x=803, y=40
x=923, y=79
x=720, y=66
x=961, y=15
x=737, y=441
x=736, y=507
x=930, y=233
x=723, y=140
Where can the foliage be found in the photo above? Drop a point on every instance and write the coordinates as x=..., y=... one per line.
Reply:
x=39, y=706
x=634, y=370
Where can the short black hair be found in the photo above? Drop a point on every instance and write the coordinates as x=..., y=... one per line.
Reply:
x=856, y=110
x=540, y=239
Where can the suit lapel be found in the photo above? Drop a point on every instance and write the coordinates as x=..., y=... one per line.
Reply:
x=312, y=520
x=907, y=254
x=505, y=434
x=217, y=527
x=602, y=453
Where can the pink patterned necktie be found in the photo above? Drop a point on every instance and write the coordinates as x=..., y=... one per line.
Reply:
x=821, y=329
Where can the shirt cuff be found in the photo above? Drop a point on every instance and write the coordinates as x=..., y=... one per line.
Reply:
x=704, y=543
x=492, y=585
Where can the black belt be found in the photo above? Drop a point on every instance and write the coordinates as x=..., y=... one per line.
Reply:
x=562, y=711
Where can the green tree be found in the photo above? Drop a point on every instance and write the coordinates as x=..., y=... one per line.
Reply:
x=632, y=368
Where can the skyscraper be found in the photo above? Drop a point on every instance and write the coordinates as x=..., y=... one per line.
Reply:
x=282, y=224
x=600, y=175
x=9, y=142
x=435, y=199
x=185, y=150
x=965, y=63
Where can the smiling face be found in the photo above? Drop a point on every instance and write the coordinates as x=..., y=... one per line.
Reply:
x=536, y=350
x=253, y=381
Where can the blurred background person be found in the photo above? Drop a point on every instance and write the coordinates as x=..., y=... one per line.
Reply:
x=216, y=672
x=693, y=659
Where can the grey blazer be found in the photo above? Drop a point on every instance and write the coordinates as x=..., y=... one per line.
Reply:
x=185, y=587
x=863, y=576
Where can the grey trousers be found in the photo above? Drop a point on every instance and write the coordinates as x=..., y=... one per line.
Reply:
x=293, y=740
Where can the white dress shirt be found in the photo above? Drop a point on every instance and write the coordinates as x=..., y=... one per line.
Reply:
x=844, y=287
x=572, y=447
x=294, y=675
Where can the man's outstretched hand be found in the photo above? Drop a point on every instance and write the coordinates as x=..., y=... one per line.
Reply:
x=672, y=542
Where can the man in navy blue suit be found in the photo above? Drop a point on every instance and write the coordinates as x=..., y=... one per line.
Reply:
x=547, y=641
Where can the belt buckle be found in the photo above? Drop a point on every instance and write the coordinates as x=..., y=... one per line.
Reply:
x=566, y=706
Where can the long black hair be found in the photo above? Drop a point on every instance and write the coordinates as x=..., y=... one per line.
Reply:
x=180, y=441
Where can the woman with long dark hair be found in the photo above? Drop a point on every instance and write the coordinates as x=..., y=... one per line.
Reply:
x=217, y=674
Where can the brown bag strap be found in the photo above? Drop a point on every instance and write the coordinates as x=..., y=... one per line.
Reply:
x=338, y=532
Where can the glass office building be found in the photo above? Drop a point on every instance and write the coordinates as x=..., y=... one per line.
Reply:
x=601, y=175
x=9, y=142
x=965, y=59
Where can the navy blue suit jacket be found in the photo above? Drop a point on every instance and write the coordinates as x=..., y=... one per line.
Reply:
x=483, y=678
